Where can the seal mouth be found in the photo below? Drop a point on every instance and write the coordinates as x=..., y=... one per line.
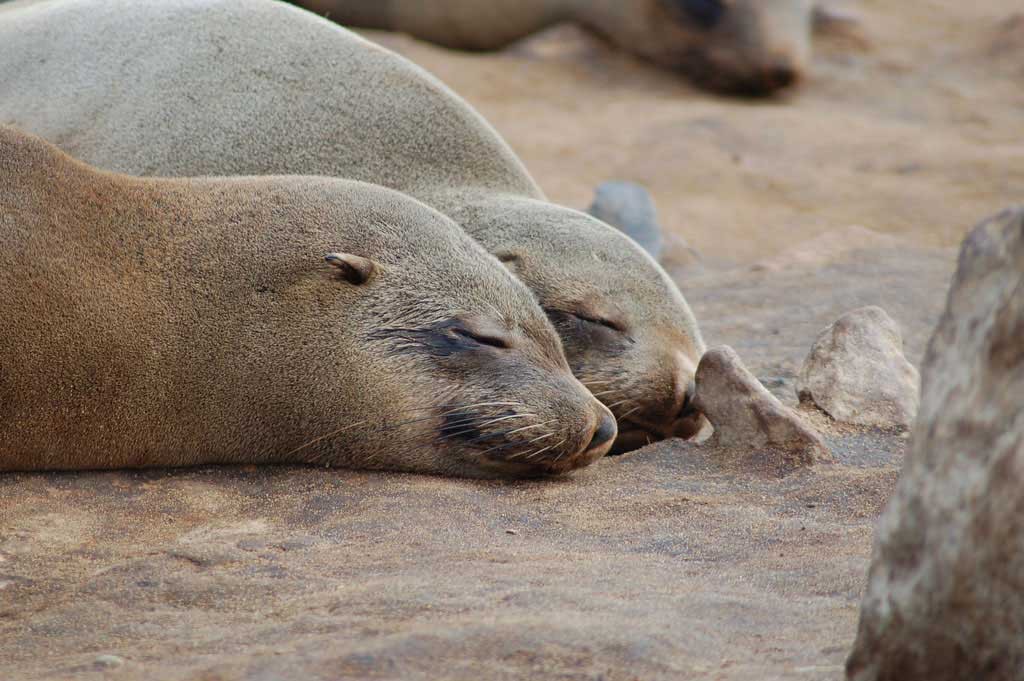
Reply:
x=499, y=466
x=773, y=84
x=556, y=459
x=635, y=433
x=768, y=82
x=507, y=439
x=530, y=461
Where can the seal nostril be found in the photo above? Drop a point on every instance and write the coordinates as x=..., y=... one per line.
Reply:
x=605, y=433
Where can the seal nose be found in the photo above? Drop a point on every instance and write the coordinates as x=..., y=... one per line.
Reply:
x=779, y=76
x=687, y=408
x=689, y=421
x=605, y=433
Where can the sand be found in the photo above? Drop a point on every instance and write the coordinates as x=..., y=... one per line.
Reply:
x=916, y=135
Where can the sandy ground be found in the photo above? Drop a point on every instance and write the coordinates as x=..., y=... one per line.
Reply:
x=659, y=565
x=854, y=189
x=917, y=135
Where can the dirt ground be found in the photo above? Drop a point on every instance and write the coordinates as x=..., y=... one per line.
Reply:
x=916, y=135
x=657, y=565
x=662, y=564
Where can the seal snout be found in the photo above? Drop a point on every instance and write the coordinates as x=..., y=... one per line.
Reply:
x=603, y=436
x=596, y=440
x=688, y=406
x=669, y=408
x=558, y=432
x=773, y=77
x=779, y=76
x=688, y=420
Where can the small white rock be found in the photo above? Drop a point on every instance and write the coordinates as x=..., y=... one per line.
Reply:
x=108, y=661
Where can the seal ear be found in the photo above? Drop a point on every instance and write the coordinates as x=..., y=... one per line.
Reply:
x=508, y=258
x=354, y=269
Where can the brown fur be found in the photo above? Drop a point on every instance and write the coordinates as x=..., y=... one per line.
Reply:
x=747, y=46
x=210, y=95
x=180, y=322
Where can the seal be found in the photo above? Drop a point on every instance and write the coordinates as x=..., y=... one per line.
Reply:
x=211, y=96
x=752, y=47
x=172, y=322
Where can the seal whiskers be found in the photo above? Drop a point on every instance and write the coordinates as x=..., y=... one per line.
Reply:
x=322, y=438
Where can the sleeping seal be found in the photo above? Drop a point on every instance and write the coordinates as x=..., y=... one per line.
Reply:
x=158, y=322
x=195, y=87
x=753, y=47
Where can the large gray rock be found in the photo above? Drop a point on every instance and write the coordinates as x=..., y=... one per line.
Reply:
x=752, y=427
x=856, y=372
x=945, y=597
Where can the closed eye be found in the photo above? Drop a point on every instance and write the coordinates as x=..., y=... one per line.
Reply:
x=707, y=13
x=492, y=341
x=606, y=323
x=588, y=319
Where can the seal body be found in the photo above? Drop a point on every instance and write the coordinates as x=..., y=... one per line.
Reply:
x=153, y=322
x=208, y=94
x=745, y=46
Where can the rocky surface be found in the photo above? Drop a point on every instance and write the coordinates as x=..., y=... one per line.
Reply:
x=753, y=430
x=772, y=315
x=856, y=372
x=945, y=598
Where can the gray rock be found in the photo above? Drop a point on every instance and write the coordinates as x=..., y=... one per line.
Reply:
x=856, y=372
x=629, y=207
x=751, y=426
x=108, y=662
x=945, y=595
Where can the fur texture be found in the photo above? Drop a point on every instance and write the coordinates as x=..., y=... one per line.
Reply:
x=253, y=87
x=152, y=322
x=748, y=46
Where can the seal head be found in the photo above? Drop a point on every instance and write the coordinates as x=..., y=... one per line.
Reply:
x=748, y=47
x=751, y=47
x=628, y=333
